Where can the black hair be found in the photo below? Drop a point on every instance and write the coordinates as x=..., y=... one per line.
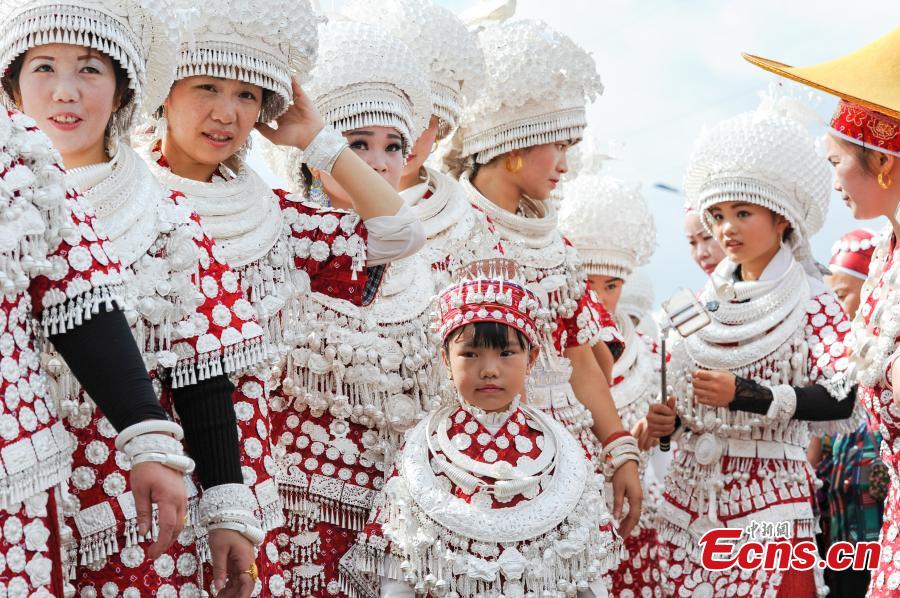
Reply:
x=868, y=158
x=491, y=335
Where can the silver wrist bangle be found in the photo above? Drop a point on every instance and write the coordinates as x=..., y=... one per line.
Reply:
x=254, y=535
x=323, y=151
x=232, y=507
x=617, y=453
x=150, y=442
x=148, y=426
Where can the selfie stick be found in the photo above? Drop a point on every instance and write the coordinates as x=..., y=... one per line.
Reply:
x=683, y=315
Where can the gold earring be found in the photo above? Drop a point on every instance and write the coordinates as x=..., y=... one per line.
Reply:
x=884, y=181
x=513, y=167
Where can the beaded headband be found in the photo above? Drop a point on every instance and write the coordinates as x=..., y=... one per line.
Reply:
x=852, y=254
x=491, y=293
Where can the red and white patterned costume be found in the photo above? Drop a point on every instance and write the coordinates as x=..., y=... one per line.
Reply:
x=873, y=340
x=343, y=414
x=635, y=387
x=869, y=116
x=784, y=330
x=875, y=321
x=525, y=104
x=611, y=226
x=56, y=272
x=478, y=498
x=478, y=543
x=552, y=268
x=732, y=467
x=191, y=322
x=295, y=246
x=184, y=304
x=283, y=248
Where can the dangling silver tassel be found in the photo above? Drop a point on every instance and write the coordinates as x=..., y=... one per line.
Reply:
x=161, y=128
x=112, y=137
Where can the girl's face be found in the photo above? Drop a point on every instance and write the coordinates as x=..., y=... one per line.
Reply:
x=209, y=119
x=857, y=185
x=70, y=91
x=848, y=289
x=705, y=250
x=608, y=290
x=486, y=377
x=421, y=149
x=749, y=234
x=542, y=168
x=381, y=148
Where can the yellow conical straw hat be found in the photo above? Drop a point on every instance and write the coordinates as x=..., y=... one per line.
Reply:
x=869, y=76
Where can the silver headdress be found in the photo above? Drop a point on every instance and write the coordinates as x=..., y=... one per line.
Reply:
x=637, y=295
x=140, y=35
x=538, y=82
x=608, y=221
x=260, y=42
x=449, y=52
x=366, y=77
x=766, y=157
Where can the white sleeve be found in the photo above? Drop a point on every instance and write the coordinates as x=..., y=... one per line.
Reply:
x=393, y=237
x=391, y=588
x=598, y=590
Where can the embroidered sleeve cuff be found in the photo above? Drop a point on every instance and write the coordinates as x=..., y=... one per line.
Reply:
x=228, y=360
x=58, y=317
x=784, y=403
x=393, y=237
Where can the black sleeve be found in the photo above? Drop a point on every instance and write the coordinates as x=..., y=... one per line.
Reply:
x=814, y=403
x=105, y=360
x=206, y=411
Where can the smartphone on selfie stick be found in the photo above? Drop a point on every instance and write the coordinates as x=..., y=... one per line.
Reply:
x=686, y=315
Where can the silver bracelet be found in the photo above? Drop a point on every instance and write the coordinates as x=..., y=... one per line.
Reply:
x=254, y=535
x=617, y=453
x=233, y=507
x=148, y=426
x=180, y=463
x=149, y=442
x=323, y=151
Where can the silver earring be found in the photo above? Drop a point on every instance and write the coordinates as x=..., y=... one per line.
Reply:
x=162, y=127
x=112, y=138
x=245, y=149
